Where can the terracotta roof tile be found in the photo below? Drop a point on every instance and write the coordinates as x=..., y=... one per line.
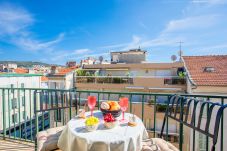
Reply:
x=195, y=66
x=44, y=78
x=21, y=70
x=64, y=71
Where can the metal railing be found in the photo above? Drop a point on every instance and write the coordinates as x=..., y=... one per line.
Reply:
x=166, y=80
x=104, y=79
x=23, y=119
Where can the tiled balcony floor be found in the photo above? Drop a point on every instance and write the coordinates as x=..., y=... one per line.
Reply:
x=17, y=145
x=12, y=145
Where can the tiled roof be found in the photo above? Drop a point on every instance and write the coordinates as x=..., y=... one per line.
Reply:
x=195, y=66
x=44, y=78
x=63, y=71
x=21, y=70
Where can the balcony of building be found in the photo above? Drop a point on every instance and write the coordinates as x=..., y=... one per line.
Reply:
x=139, y=83
x=25, y=112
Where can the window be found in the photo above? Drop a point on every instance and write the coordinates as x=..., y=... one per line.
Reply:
x=174, y=81
x=14, y=118
x=14, y=103
x=163, y=72
x=23, y=100
x=209, y=69
x=24, y=115
x=22, y=85
x=11, y=86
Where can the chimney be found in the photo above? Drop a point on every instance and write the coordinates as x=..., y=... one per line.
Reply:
x=54, y=70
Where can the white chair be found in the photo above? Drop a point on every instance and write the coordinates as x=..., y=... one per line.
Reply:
x=157, y=144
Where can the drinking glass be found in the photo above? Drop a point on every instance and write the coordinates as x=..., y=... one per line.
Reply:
x=91, y=103
x=124, y=105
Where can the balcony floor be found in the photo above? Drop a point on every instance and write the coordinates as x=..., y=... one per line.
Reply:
x=14, y=145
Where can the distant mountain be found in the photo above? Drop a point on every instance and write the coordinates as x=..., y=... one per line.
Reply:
x=28, y=63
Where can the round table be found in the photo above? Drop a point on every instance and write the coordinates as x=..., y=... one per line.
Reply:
x=75, y=137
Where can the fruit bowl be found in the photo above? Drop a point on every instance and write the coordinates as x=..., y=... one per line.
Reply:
x=110, y=121
x=115, y=113
x=111, y=107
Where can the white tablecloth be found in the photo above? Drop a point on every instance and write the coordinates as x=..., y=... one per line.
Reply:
x=75, y=137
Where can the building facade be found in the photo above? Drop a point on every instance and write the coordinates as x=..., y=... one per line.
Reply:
x=131, y=56
x=61, y=78
x=15, y=100
x=145, y=77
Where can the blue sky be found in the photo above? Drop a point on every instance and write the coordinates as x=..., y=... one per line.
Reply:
x=57, y=31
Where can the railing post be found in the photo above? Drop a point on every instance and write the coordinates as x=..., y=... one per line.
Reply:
x=98, y=101
x=207, y=138
x=3, y=113
x=36, y=119
x=222, y=126
x=181, y=124
x=130, y=101
x=9, y=115
x=154, y=115
x=143, y=108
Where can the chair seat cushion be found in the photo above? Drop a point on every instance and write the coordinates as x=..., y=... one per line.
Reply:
x=157, y=144
x=48, y=140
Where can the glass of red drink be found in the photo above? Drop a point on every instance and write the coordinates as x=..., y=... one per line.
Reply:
x=91, y=103
x=124, y=105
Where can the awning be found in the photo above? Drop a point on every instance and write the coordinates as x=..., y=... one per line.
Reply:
x=123, y=69
x=154, y=88
x=134, y=87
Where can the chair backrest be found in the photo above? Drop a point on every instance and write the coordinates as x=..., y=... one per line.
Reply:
x=58, y=102
x=183, y=105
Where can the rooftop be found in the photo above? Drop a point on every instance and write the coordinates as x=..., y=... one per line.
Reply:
x=62, y=72
x=18, y=75
x=44, y=78
x=131, y=51
x=135, y=65
x=20, y=70
x=207, y=70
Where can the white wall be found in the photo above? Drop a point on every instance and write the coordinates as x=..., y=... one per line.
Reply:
x=66, y=82
x=17, y=95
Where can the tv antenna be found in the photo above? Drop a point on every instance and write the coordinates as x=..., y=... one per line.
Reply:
x=180, y=52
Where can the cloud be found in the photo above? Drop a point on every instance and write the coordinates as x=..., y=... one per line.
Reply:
x=141, y=24
x=14, y=19
x=211, y=48
x=28, y=43
x=15, y=23
x=66, y=55
x=80, y=51
x=210, y=2
x=189, y=23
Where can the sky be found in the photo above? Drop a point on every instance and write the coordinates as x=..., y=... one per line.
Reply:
x=70, y=30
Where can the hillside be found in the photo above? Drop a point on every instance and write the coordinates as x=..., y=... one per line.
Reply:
x=27, y=63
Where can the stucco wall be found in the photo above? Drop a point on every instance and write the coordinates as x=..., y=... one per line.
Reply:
x=29, y=82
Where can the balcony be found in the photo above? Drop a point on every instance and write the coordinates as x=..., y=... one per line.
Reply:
x=46, y=108
x=159, y=84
